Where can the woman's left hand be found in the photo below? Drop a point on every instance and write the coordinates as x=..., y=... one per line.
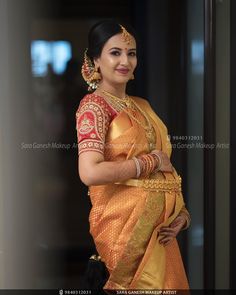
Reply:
x=168, y=233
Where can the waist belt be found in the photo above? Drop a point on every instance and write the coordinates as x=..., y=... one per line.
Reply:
x=165, y=185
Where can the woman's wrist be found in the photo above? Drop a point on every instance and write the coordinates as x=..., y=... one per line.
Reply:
x=158, y=160
x=138, y=166
x=146, y=164
x=187, y=220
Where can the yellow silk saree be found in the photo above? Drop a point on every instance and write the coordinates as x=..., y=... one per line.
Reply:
x=126, y=217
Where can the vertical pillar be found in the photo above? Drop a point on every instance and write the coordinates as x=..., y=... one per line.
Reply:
x=17, y=236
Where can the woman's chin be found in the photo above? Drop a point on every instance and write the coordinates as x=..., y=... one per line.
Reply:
x=121, y=80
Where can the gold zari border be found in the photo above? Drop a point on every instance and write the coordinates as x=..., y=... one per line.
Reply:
x=164, y=185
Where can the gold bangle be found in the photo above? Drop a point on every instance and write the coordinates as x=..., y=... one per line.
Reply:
x=147, y=165
x=138, y=168
x=149, y=161
x=153, y=160
x=150, y=164
x=159, y=161
x=144, y=166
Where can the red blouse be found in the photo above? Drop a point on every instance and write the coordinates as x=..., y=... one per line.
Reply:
x=93, y=118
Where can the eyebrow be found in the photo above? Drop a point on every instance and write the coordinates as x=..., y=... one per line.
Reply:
x=117, y=48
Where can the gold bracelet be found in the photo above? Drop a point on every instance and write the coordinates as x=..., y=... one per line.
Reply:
x=144, y=166
x=153, y=162
x=159, y=161
x=138, y=168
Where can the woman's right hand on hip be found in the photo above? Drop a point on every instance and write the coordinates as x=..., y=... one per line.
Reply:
x=166, y=165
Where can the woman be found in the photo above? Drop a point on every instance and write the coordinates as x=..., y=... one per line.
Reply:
x=124, y=159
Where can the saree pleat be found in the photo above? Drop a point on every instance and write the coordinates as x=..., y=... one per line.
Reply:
x=125, y=220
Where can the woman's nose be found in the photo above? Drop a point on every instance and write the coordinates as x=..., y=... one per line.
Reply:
x=124, y=59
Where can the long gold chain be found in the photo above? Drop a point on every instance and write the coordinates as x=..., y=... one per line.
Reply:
x=122, y=104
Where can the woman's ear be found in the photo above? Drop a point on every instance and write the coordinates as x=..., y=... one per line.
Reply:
x=96, y=62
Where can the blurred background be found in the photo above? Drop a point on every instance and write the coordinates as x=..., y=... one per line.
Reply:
x=184, y=71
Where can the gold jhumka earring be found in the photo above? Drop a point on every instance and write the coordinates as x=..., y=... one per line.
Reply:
x=90, y=73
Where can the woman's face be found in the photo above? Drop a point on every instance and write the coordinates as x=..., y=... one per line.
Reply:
x=117, y=61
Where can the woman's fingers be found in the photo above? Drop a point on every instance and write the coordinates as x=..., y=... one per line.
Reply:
x=166, y=237
x=168, y=168
x=165, y=241
x=178, y=222
x=166, y=165
x=168, y=229
x=168, y=233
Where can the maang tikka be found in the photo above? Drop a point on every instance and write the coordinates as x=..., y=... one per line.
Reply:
x=90, y=72
x=126, y=36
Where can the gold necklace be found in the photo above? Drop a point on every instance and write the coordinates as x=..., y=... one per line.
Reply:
x=122, y=104
x=124, y=101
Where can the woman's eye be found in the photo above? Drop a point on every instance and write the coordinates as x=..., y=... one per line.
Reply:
x=118, y=53
x=115, y=53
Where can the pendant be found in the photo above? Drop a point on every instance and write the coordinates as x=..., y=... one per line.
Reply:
x=128, y=103
x=151, y=137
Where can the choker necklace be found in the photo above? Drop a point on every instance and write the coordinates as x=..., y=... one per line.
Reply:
x=127, y=102
x=124, y=101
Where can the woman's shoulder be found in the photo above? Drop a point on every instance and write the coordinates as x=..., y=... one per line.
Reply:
x=91, y=97
x=94, y=102
x=140, y=100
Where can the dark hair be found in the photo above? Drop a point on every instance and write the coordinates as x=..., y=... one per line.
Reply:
x=101, y=32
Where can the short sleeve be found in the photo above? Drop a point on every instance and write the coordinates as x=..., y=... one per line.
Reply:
x=92, y=121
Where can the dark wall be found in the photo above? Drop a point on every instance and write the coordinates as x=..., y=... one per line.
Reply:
x=232, y=145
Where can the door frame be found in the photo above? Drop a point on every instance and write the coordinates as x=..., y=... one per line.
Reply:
x=209, y=138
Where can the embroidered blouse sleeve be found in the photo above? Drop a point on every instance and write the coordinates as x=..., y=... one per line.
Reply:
x=92, y=121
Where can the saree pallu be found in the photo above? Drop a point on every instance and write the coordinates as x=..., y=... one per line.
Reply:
x=125, y=220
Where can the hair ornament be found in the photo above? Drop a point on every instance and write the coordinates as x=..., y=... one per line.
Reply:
x=90, y=73
x=126, y=36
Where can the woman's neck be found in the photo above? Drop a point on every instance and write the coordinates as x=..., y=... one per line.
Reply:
x=117, y=90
